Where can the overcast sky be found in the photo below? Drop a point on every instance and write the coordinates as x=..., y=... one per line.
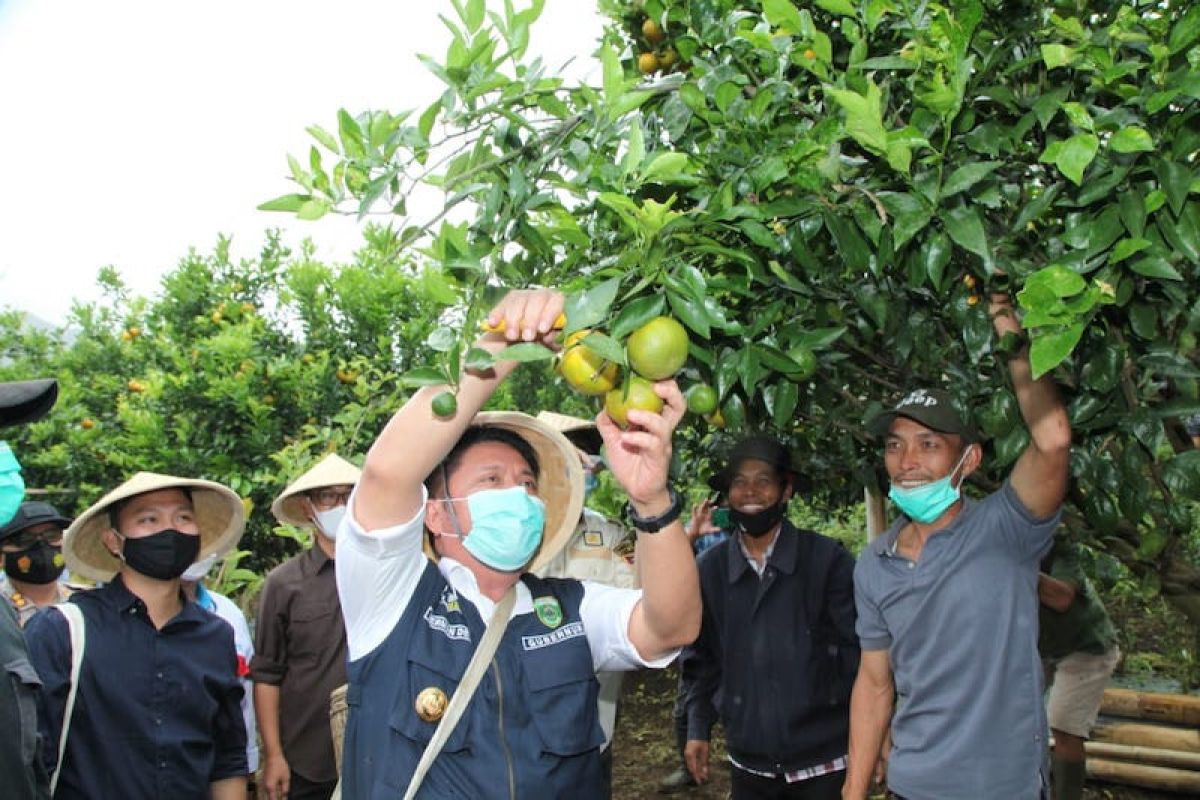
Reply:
x=135, y=129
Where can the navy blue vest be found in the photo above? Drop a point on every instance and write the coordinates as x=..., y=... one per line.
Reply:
x=530, y=730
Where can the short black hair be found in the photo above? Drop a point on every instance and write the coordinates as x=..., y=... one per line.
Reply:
x=114, y=510
x=474, y=435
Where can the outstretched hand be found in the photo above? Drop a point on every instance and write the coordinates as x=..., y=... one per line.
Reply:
x=526, y=315
x=640, y=456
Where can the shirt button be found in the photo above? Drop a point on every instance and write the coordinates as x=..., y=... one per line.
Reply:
x=158, y=720
x=158, y=675
x=162, y=765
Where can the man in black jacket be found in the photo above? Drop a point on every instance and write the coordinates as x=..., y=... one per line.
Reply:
x=777, y=652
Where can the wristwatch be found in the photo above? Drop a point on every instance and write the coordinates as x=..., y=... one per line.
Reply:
x=656, y=524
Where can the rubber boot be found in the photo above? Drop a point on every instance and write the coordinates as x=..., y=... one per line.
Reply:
x=1066, y=778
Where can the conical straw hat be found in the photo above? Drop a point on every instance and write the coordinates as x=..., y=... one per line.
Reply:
x=332, y=470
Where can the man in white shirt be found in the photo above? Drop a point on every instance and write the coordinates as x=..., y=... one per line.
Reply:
x=491, y=502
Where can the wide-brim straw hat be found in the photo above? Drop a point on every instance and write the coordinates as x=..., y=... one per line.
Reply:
x=332, y=470
x=583, y=433
x=560, y=479
x=219, y=511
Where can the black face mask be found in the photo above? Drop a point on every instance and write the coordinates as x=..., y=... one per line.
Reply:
x=758, y=523
x=41, y=563
x=163, y=555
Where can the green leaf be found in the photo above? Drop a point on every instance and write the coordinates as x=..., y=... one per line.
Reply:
x=524, y=352
x=287, y=202
x=935, y=253
x=637, y=313
x=590, y=307
x=1174, y=179
x=1185, y=31
x=1078, y=115
x=473, y=17
x=909, y=215
x=313, y=208
x=1057, y=55
x=1075, y=155
x=840, y=7
x=864, y=116
x=606, y=347
x=783, y=16
x=437, y=287
x=1127, y=247
x=1156, y=267
x=1051, y=348
x=964, y=226
x=424, y=376
x=324, y=137
x=351, y=134
x=781, y=399
x=967, y=176
x=690, y=311
x=1059, y=280
x=666, y=166
x=614, y=77
x=1131, y=140
x=441, y=339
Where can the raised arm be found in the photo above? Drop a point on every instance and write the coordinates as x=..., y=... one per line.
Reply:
x=1040, y=475
x=668, y=615
x=416, y=440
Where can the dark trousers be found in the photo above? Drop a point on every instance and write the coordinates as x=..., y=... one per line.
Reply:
x=304, y=789
x=748, y=786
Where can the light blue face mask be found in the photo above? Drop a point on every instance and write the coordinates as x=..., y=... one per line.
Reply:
x=12, y=485
x=506, y=527
x=929, y=501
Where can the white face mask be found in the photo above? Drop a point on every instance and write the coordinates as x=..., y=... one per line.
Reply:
x=199, y=569
x=329, y=521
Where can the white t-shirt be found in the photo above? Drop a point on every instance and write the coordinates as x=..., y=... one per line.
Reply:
x=378, y=572
x=243, y=642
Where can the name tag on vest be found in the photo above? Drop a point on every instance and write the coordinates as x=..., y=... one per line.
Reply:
x=444, y=626
x=572, y=631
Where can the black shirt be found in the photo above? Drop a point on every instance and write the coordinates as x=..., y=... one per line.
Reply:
x=157, y=712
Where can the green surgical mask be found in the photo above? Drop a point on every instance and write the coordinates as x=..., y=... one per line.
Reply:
x=929, y=501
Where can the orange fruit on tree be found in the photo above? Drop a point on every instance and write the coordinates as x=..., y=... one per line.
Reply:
x=641, y=396
x=668, y=58
x=701, y=399
x=585, y=370
x=653, y=31
x=87, y=424
x=648, y=63
x=658, y=349
x=135, y=386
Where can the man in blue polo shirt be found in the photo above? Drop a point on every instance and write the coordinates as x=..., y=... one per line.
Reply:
x=947, y=602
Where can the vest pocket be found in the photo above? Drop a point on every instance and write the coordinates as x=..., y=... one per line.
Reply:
x=426, y=676
x=563, y=691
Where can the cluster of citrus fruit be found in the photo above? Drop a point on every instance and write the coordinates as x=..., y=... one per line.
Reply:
x=656, y=351
x=656, y=59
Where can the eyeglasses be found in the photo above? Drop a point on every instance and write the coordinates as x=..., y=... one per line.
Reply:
x=27, y=539
x=325, y=499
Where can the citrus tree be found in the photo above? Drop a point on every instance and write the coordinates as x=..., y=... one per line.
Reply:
x=823, y=193
x=245, y=372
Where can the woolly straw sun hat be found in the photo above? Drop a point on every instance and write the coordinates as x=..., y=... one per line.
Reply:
x=560, y=479
x=220, y=516
x=332, y=470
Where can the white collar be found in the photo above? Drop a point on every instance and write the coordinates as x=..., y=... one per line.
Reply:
x=462, y=580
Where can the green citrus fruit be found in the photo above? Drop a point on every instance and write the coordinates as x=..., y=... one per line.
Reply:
x=806, y=362
x=585, y=370
x=445, y=404
x=658, y=349
x=701, y=399
x=640, y=395
x=716, y=419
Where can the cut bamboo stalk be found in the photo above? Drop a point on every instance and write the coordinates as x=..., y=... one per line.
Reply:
x=1162, y=778
x=1152, y=756
x=1145, y=735
x=1181, y=709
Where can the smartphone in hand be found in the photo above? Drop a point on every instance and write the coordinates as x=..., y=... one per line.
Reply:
x=720, y=518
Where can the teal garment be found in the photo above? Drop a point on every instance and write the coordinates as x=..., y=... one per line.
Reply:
x=1085, y=626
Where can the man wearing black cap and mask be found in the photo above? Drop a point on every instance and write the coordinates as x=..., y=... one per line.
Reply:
x=31, y=546
x=947, y=601
x=24, y=778
x=777, y=652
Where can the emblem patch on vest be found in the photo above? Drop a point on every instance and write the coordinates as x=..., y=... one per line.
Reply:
x=449, y=601
x=593, y=538
x=548, y=611
x=431, y=704
x=444, y=626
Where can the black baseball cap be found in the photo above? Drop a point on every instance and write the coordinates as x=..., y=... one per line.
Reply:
x=761, y=447
x=26, y=401
x=933, y=408
x=33, y=513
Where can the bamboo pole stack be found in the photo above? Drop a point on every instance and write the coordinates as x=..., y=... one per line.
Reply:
x=1160, y=751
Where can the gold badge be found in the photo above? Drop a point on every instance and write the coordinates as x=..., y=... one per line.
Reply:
x=431, y=704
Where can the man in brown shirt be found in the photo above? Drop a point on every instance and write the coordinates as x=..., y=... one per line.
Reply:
x=300, y=641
